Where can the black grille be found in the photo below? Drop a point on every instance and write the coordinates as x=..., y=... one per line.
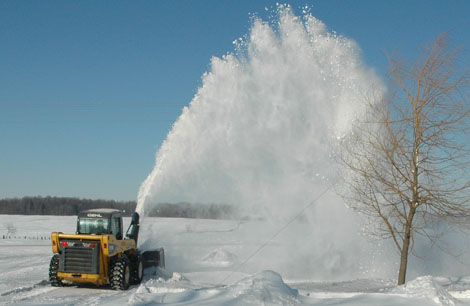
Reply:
x=79, y=259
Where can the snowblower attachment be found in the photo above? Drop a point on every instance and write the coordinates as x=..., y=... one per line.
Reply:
x=154, y=258
x=151, y=258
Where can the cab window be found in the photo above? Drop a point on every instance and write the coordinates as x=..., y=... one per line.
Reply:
x=93, y=226
x=116, y=227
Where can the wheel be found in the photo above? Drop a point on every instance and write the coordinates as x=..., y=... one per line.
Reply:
x=137, y=272
x=53, y=268
x=120, y=274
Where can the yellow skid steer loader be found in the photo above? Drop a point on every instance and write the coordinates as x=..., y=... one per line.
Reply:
x=99, y=253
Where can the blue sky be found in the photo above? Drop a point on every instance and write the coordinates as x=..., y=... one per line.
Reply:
x=89, y=89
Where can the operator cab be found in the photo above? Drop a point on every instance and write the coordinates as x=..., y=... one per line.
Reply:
x=100, y=221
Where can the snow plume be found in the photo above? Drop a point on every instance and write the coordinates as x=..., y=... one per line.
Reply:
x=258, y=135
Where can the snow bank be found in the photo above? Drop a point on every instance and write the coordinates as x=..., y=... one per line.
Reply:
x=264, y=288
x=427, y=287
x=155, y=290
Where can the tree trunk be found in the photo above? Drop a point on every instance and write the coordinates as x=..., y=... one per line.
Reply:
x=403, y=261
x=405, y=249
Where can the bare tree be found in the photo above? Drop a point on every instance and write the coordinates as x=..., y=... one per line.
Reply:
x=408, y=163
x=11, y=229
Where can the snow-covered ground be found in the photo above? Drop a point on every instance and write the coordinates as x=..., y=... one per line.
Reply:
x=209, y=262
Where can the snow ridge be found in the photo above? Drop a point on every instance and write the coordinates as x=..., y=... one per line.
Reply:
x=266, y=286
x=427, y=287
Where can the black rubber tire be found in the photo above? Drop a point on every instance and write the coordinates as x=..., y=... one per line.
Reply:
x=53, y=269
x=120, y=274
x=137, y=273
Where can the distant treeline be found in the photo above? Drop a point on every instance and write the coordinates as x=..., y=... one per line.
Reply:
x=60, y=206
x=57, y=206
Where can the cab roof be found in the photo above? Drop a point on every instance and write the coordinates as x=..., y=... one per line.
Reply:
x=100, y=213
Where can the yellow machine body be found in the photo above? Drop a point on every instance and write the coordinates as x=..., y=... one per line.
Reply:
x=109, y=247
